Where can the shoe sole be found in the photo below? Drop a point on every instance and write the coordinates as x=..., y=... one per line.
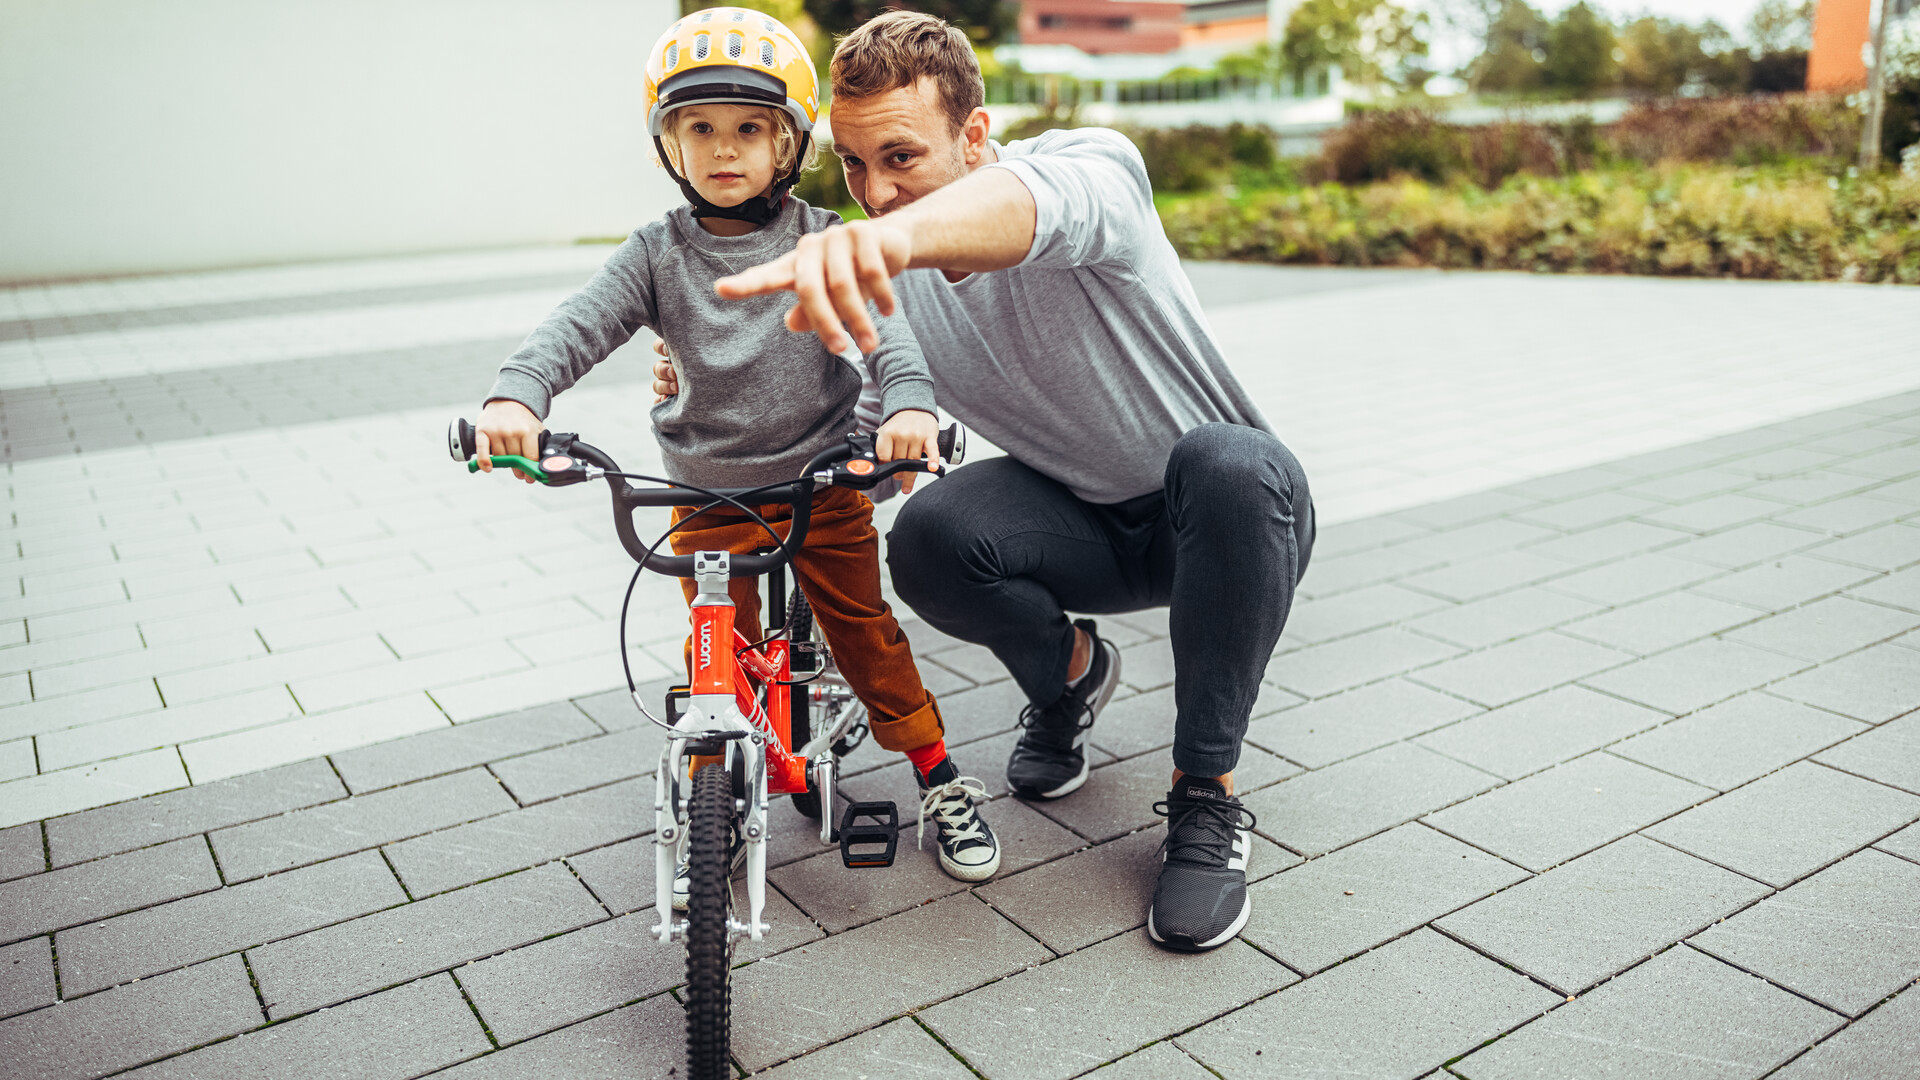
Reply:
x=959, y=872
x=1086, y=763
x=1233, y=931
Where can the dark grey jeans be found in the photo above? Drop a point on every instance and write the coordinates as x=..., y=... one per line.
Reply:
x=997, y=554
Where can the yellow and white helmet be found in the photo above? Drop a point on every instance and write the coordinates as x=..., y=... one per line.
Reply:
x=733, y=56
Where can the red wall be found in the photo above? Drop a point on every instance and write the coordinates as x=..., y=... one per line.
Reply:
x=1102, y=26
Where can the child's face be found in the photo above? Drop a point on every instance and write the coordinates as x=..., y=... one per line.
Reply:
x=726, y=151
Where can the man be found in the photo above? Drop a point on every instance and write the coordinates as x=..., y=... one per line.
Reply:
x=1058, y=323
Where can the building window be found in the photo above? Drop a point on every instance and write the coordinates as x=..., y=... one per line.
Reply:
x=1086, y=22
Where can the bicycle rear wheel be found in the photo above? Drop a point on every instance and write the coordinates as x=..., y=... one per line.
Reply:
x=709, y=908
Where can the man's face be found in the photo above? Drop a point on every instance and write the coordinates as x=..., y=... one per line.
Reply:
x=898, y=146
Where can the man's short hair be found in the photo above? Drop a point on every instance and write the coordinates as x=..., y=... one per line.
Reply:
x=897, y=49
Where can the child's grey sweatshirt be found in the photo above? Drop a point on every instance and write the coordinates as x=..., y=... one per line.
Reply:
x=756, y=400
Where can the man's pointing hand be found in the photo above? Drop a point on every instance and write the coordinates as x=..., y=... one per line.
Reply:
x=833, y=275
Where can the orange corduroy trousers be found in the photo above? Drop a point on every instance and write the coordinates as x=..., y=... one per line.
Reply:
x=838, y=570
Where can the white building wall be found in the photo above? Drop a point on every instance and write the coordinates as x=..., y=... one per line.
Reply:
x=142, y=136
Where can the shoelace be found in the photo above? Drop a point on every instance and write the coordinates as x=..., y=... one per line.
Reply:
x=1220, y=821
x=951, y=805
x=1070, y=702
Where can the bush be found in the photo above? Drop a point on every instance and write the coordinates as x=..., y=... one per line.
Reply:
x=1672, y=219
x=1742, y=131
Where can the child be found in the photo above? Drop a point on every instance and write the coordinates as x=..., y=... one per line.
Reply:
x=731, y=105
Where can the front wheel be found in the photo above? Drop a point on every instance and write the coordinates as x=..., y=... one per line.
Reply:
x=710, y=830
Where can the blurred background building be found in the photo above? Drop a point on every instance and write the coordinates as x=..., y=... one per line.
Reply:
x=203, y=133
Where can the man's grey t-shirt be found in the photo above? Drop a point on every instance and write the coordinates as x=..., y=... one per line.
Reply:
x=1091, y=358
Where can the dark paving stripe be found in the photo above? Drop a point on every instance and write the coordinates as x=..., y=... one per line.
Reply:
x=93, y=322
x=71, y=418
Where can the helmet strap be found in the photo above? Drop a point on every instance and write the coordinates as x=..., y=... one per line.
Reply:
x=755, y=211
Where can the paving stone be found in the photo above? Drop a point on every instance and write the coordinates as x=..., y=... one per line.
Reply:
x=578, y=766
x=1340, y=573
x=1502, y=618
x=1747, y=545
x=897, y=1049
x=1325, y=731
x=984, y=760
x=1885, y=1042
x=1782, y=583
x=1593, y=917
x=1689, y=484
x=404, y=943
x=620, y=875
x=1606, y=543
x=1888, y=547
x=1875, y=684
x=129, y=825
x=1452, y=513
x=1633, y=579
x=1161, y=1061
x=1529, y=735
x=1555, y=815
x=364, y=821
x=195, y=928
x=1715, y=513
x=839, y=899
x=444, y=750
x=131, y=1025
x=1889, y=753
x=1398, y=880
x=1118, y=799
x=1094, y=1005
x=1518, y=669
x=1695, y=675
x=26, y=976
x=22, y=851
x=1738, y=740
x=1091, y=895
x=1826, y=628
x=1337, y=665
x=96, y=890
x=1347, y=537
x=614, y=710
x=1680, y=1013
x=1662, y=622
x=400, y=1033
x=1900, y=589
x=646, y=1041
x=1353, y=612
x=1845, y=937
x=518, y=839
x=1322, y=810
x=982, y=711
x=1132, y=726
x=95, y=784
x=878, y=971
x=1848, y=514
x=1419, y=1001
x=1487, y=575
x=1905, y=843
x=1809, y=487
x=1587, y=511
x=1785, y=825
x=564, y=979
x=1567, y=484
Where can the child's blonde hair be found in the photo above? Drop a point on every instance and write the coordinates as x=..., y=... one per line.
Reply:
x=786, y=143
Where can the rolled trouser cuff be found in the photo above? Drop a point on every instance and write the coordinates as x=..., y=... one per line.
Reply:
x=1208, y=765
x=921, y=727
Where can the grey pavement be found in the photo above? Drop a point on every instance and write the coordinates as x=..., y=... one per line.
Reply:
x=1609, y=771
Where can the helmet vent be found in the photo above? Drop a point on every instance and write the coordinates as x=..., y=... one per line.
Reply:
x=705, y=16
x=735, y=45
x=766, y=53
x=701, y=46
x=739, y=16
x=772, y=27
x=673, y=55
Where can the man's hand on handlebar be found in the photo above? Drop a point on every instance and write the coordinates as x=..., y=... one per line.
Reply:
x=507, y=427
x=909, y=433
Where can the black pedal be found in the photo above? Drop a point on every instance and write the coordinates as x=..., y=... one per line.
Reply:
x=869, y=834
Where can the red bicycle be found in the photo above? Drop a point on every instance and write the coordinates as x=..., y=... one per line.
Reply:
x=739, y=715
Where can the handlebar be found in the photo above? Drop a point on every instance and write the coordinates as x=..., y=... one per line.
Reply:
x=564, y=460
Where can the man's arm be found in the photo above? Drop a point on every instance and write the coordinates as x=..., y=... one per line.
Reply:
x=982, y=222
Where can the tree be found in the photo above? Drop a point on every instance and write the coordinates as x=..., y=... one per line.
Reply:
x=1579, y=52
x=1780, y=26
x=1658, y=55
x=1516, y=51
x=985, y=21
x=1372, y=41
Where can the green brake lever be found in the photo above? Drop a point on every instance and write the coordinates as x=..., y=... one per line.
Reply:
x=513, y=461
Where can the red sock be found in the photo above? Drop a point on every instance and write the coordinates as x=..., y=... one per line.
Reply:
x=926, y=757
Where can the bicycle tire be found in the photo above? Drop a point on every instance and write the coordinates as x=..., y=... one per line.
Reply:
x=799, y=629
x=709, y=907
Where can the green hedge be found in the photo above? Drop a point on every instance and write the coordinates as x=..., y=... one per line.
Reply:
x=1696, y=220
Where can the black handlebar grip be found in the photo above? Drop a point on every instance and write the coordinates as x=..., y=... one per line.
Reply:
x=953, y=444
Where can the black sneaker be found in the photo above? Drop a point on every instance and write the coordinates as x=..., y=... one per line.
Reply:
x=968, y=849
x=1051, y=757
x=1201, y=901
